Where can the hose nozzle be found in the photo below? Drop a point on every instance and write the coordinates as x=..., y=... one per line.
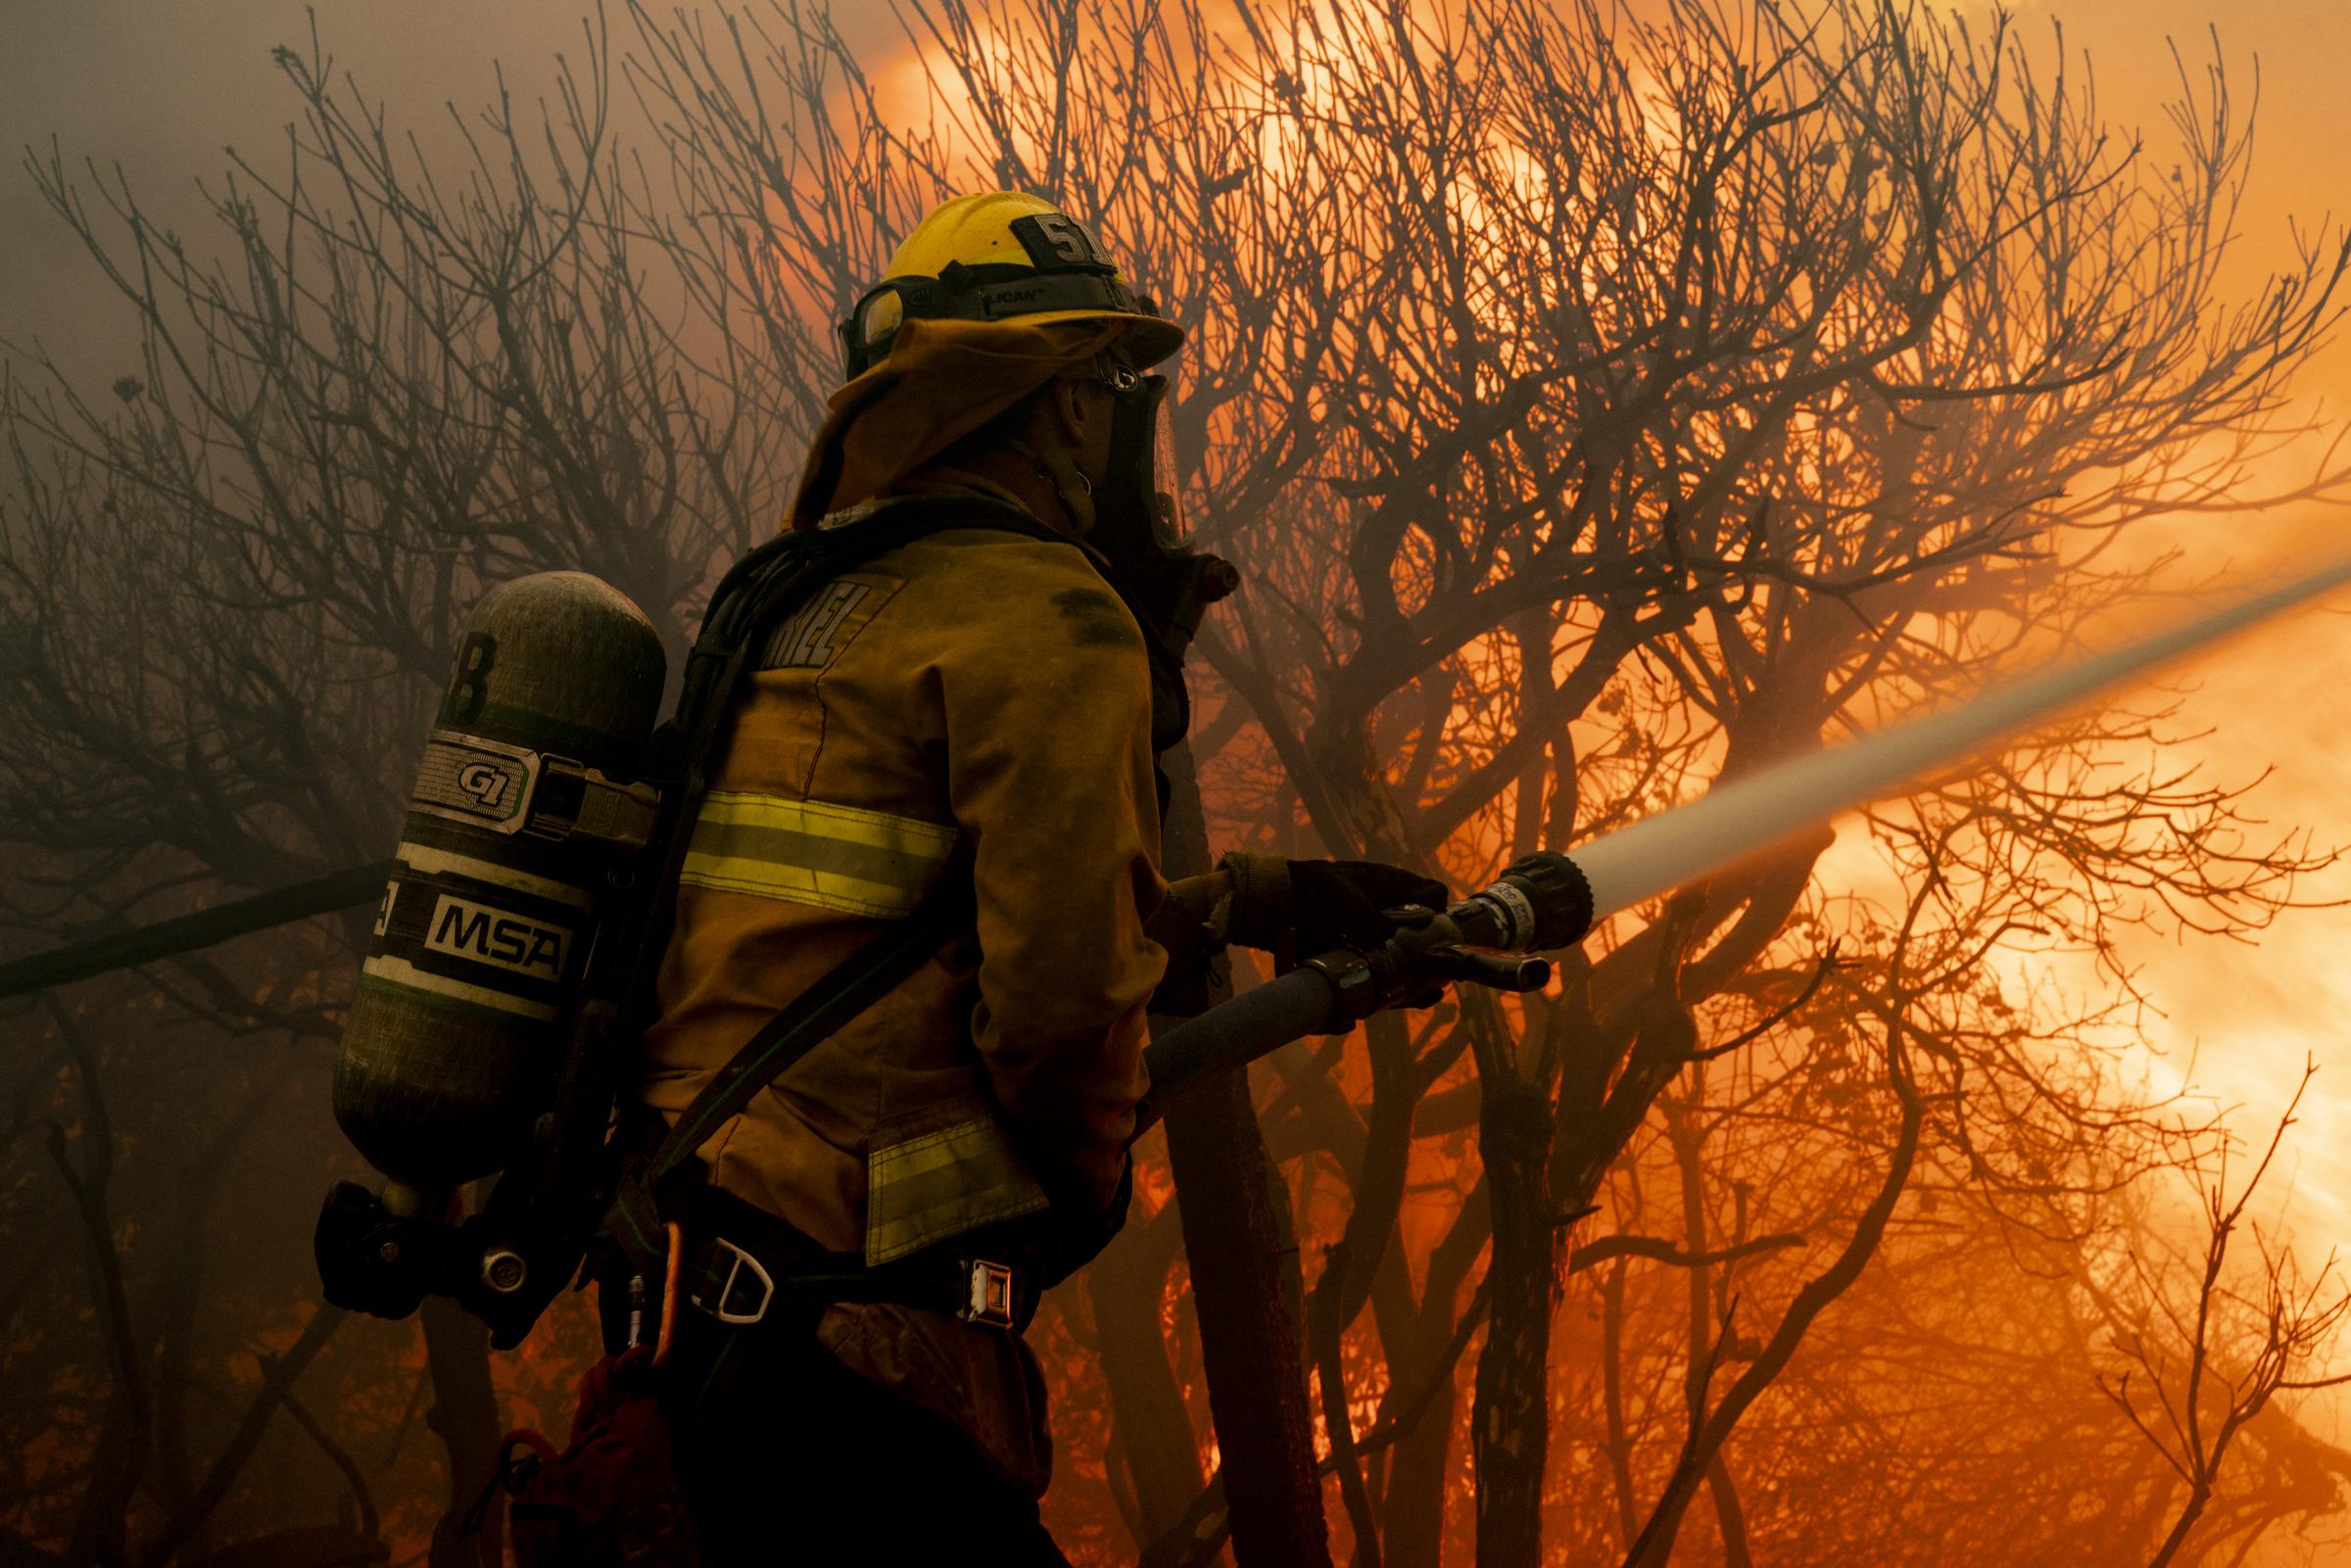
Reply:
x=1540, y=903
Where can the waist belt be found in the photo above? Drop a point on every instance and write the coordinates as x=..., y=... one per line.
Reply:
x=739, y=1263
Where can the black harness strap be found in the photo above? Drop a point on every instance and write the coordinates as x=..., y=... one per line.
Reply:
x=795, y=1279
x=766, y=585
x=846, y=990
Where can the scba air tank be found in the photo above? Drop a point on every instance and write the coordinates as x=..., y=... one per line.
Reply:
x=528, y=799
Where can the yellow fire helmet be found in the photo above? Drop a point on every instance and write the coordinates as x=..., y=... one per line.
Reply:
x=1002, y=256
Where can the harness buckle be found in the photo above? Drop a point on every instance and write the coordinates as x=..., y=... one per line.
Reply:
x=987, y=1293
x=718, y=1308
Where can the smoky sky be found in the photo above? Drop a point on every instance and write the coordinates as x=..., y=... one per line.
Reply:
x=161, y=87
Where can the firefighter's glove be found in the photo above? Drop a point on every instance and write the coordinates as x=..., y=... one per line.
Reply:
x=1297, y=908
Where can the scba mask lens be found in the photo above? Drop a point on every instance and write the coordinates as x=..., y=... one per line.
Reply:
x=1140, y=525
x=1162, y=489
x=1143, y=454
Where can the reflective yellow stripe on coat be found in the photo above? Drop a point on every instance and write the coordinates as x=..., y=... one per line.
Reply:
x=942, y=1184
x=846, y=858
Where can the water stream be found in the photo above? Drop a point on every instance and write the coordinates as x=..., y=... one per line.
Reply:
x=1748, y=816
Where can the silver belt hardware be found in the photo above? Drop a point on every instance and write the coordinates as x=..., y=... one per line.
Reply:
x=987, y=1293
x=742, y=1261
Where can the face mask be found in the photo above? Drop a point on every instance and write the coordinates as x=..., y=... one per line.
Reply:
x=1139, y=524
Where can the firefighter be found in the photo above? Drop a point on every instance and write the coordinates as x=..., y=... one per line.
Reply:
x=983, y=702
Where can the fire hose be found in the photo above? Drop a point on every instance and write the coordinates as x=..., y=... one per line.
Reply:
x=1542, y=902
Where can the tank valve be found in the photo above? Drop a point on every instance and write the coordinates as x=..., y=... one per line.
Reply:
x=504, y=1270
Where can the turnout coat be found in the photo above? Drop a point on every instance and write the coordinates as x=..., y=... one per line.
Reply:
x=971, y=685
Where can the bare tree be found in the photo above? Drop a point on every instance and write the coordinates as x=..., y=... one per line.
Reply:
x=1597, y=406
x=230, y=590
x=2213, y=1364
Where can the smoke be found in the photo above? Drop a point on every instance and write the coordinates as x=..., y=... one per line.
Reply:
x=160, y=92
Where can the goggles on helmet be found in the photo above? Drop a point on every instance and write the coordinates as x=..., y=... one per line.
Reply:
x=989, y=293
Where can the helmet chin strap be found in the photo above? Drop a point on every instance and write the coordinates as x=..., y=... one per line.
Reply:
x=1060, y=471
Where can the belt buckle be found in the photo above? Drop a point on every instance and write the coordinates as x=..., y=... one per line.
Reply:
x=742, y=1261
x=987, y=1293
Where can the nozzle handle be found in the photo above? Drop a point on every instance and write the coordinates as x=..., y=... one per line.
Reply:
x=1465, y=966
x=1540, y=903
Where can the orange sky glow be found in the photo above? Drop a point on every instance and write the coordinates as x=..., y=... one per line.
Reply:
x=2240, y=1018
x=2234, y=1020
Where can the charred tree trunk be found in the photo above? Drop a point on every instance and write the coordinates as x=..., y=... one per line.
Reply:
x=119, y=1461
x=1705, y=1310
x=1617, y=1440
x=1148, y=1418
x=1250, y=1341
x=1537, y=1179
x=1413, y=1511
x=1510, y=1434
